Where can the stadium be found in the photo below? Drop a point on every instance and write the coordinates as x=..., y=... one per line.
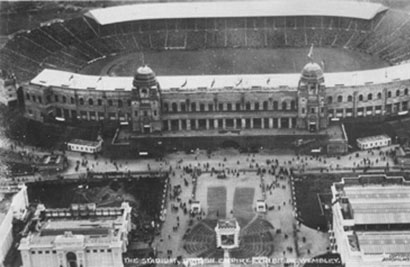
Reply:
x=246, y=77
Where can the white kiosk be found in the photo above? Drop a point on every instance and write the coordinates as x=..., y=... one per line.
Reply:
x=261, y=206
x=227, y=234
x=195, y=207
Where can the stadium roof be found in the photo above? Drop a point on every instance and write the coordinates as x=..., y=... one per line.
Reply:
x=226, y=9
x=57, y=78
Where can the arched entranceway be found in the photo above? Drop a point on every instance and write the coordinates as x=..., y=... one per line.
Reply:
x=71, y=259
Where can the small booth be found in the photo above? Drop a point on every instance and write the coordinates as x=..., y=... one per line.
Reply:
x=261, y=206
x=227, y=234
x=195, y=207
x=373, y=141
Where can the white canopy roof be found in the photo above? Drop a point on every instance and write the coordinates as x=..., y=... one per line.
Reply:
x=57, y=78
x=226, y=9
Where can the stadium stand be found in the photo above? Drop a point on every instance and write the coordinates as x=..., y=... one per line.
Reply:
x=72, y=43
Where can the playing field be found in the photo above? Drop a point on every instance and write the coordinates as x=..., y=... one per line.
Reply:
x=233, y=61
x=242, y=204
x=216, y=199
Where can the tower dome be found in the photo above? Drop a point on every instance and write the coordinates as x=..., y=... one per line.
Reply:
x=312, y=71
x=144, y=77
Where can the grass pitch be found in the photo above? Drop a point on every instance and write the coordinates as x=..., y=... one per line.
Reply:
x=216, y=198
x=233, y=61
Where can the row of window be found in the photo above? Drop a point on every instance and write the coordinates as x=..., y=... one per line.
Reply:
x=55, y=252
x=369, y=96
x=397, y=107
x=82, y=148
x=66, y=114
x=233, y=123
x=183, y=107
x=81, y=101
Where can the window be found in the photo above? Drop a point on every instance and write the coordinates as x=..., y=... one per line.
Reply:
x=48, y=99
x=360, y=97
x=256, y=106
x=329, y=100
x=248, y=106
x=174, y=107
x=56, y=98
x=292, y=105
x=28, y=96
x=64, y=99
x=340, y=99
x=379, y=95
x=40, y=100
x=129, y=102
x=72, y=100
x=238, y=106
x=312, y=110
x=95, y=251
x=275, y=105
x=183, y=108
x=81, y=101
x=136, y=113
x=284, y=105
x=166, y=107
x=54, y=251
x=99, y=102
x=90, y=102
x=120, y=104
x=369, y=97
x=265, y=105
x=303, y=111
x=155, y=112
x=389, y=94
x=349, y=98
x=220, y=106
x=193, y=107
x=210, y=107
x=47, y=252
x=398, y=93
x=110, y=102
x=109, y=250
x=406, y=91
x=229, y=106
x=145, y=113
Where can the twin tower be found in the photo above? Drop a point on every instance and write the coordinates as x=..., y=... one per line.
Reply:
x=311, y=115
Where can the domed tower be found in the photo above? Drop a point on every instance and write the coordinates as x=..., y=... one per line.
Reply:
x=146, y=102
x=312, y=112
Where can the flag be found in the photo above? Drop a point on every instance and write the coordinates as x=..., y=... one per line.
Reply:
x=268, y=81
x=213, y=82
x=310, y=55
x=71, y=77
x=240, y=81
x=186, y=81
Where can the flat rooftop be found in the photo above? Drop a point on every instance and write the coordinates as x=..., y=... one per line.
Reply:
x=5, y=203
x=384, y=242
x=220, y=83
x=232, y=9
x=377, y=204
x=373, y=138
